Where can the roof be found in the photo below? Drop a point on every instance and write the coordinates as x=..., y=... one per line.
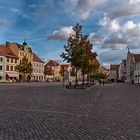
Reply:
x=113, y=67
x=36, y=58
x=52, y=63
x=21, y=47
x=5, y=51
x=65, y=65
x=136, y=57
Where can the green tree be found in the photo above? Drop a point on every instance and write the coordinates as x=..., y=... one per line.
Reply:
x=78, y=52
x=98, y=76
x=25, y=69
x=72, y=52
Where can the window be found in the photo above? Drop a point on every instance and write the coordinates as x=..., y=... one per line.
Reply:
x=15, y=60
x=11, y=60
x=1, y=59
x=7, y=59
x=0, y=67
x=11, y=68
x=7, y=68
x=0, y=77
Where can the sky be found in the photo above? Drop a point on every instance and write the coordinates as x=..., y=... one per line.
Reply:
x=113, y=26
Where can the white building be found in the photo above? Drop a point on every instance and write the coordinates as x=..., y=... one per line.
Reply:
x=137, y=68
x=130, y=67
x=2, y=68
x=113, y=72
x=122, y=71
x=38, y=68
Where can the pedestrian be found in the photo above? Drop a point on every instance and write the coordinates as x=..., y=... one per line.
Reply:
x=103, y=82
x=99, y=82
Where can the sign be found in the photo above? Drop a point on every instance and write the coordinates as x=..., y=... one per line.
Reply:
x=66, y=75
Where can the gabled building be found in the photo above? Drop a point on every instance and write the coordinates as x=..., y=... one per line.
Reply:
x=129, y=67
x=38, y=68
x=2, y=68
x=21, y=50
x=136, y=68
x=103, y=70
x=8, y=64
x=52, y=70
x=66, y=72
x=122, y=71
x=113, y=72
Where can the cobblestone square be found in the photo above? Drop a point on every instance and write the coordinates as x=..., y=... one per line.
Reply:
x=48, y=111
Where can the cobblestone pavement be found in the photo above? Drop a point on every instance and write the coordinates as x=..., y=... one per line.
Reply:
x=48, y=111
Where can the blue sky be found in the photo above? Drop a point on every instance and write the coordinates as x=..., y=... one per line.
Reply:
x=112, y=25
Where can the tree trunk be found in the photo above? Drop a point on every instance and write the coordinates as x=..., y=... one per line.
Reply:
x=76, y=80
x=83, y=79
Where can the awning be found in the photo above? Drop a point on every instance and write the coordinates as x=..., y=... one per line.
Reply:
x=13, y=75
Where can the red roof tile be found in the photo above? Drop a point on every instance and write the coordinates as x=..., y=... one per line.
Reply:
x=52, y=63
x=36, y=58
x=5, y=51
x=113, y=67
x=65, y=65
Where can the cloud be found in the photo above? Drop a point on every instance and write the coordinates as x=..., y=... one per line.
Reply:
x=94, y=38
x=82, y=8
x=15, y=10
x=119, y=36
x=125, y=8
x=114, y=39
x=61, y=34
x=110, y=24
x=3, y=22
x=131, y=29
x=106, y=65
x=114, y=56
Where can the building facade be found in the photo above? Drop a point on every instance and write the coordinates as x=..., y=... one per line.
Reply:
x=11, y=55
x=113, y=72
x=2, y=68
x=52, y=71
x=38, y=68
x=8, y=64
x=136, y=68
x=122, y=71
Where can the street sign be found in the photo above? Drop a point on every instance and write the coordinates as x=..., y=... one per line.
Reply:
x=66, y=75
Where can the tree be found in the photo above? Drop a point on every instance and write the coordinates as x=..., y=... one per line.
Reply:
x=99, y=76
x=25, y=69
x=72, y=49
x=78, y=52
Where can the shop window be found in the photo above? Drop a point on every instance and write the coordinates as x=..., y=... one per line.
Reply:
x=0, y=67
x=1, y=59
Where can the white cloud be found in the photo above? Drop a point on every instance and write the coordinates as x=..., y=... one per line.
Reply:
x=61, y=34
x=129, y=26
x=134, y=1
x=110, y=24
x=94, y=38
x=82, y=8
x=125, y=8
x=106, y=65
x=114, y=56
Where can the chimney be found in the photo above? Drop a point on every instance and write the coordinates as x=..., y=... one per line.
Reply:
x=7, y=44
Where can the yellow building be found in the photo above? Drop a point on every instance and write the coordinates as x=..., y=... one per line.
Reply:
x=54, y=71
x=9, y=60
x=21, y=50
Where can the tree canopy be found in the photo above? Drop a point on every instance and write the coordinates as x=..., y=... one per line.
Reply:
x=79, y=52
x=25, y=67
